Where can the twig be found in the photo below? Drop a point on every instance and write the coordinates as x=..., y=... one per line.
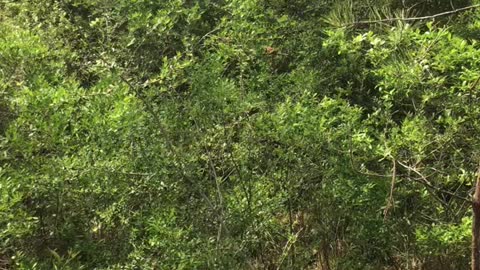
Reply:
x=286, y=248
x=208, y=34
x=112, y=69
x=354, y=167
x=392, y=188
x=423, y=180
x=446, y=13
x=106, y=170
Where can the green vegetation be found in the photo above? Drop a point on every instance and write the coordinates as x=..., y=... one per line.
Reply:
x=238, y=134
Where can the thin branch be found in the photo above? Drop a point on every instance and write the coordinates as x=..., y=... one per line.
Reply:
x=208, y=34
x=423, y=180
x=354, y=167
x=290, y=242
x=430, y=17
x=390, y=202
x=150, y=175
x=112, y=69
x=106, y=170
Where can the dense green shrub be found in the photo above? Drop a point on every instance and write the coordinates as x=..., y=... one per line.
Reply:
x=231, y=134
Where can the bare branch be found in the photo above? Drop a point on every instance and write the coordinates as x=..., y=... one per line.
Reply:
x=390, y=202
x=411, y=19
x=424, y=181
x=290, y=242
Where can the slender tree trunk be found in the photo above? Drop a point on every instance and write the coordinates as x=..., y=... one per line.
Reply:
x=476, y=225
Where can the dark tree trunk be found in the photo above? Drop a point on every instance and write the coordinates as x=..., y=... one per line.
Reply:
x=476, y=226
